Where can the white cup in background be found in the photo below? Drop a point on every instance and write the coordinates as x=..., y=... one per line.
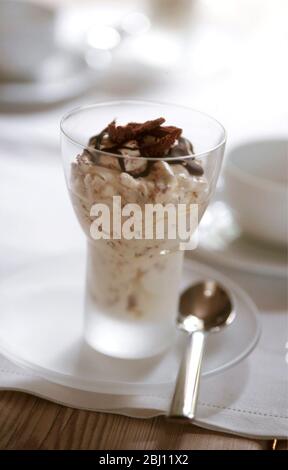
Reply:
x=26, y=38
x=256, y=188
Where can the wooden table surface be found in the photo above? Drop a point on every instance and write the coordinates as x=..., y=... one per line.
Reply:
x=27, y=422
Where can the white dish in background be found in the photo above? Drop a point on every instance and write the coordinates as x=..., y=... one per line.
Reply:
x=26, y=37
x=256, y=187
x=222, y=241
x=61, y=77
x=41, y=330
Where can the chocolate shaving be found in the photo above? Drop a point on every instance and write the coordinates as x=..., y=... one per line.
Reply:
x=95, y=143
x=151, y=139
x=162, y=131
x=122, y=164
x=193, y=167
x=182, y=149
x=120, y=134
x=148, y=126
x=95, y=140
x=161, y=146
x=133, y=130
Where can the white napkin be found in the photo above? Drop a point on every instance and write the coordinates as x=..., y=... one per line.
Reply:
x=249, y=399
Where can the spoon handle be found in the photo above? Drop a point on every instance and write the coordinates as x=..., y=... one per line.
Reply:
x=185, y=396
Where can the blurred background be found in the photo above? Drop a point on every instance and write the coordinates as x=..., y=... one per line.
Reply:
x=225, y=57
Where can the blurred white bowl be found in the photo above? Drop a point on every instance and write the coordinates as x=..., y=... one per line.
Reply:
x=256, y=176
x=26, y=38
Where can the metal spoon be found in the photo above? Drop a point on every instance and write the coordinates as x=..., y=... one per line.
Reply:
x=205, y=307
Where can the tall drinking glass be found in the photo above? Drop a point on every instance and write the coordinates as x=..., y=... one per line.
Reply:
x=132, y=284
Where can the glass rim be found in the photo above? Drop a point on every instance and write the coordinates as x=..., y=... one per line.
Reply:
x=139, y=102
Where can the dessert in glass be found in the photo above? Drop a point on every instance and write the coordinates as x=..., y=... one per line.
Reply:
x=144, y=154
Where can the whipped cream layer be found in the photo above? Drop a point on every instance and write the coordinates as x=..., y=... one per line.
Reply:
x=164, y=184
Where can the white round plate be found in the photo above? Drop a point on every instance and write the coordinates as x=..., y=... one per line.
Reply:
x=64, y=76
x=221, y=241
x=41, y=325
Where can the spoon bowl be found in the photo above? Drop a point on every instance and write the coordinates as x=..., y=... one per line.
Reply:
x=205, y=306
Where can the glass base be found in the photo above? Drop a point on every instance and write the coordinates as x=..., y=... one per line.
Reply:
x=128, y=339
x=131, y=301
